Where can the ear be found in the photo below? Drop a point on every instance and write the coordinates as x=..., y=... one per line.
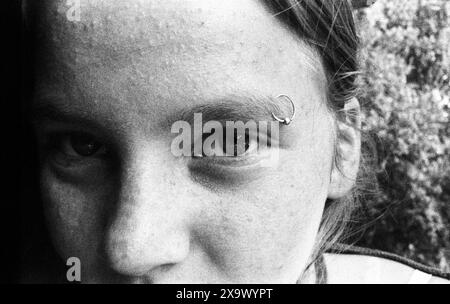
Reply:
x=348, y=151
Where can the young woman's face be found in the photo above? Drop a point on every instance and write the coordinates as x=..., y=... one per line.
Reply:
x=109, y=88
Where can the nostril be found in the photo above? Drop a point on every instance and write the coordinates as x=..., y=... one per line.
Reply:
x=133, y=264
x=135, y=256
x=166, y=267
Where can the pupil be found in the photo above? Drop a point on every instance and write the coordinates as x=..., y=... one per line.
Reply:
x=236, y=143
x=84, y=145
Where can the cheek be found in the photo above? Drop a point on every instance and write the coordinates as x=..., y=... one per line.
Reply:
x=75, y=216
x=264, y=234
x=267, y=230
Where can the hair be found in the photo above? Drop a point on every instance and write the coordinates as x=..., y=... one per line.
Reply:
x=329, y=27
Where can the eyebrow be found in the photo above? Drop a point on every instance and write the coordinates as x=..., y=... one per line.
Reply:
x=237, y=108
x=230, y=108
x=46, y=111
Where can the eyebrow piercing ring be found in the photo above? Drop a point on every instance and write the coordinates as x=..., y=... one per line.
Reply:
x=286, y=120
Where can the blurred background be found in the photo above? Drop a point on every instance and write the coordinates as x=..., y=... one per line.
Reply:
x=405, y=95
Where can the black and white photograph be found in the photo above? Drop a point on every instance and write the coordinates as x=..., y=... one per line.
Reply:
x=227, y=142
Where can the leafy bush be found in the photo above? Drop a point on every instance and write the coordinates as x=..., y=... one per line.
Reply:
x=406, y=71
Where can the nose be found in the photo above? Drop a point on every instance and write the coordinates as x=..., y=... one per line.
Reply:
x=148, y=228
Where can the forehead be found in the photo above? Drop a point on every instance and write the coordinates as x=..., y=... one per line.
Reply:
x=173, y=49
x=152, y=23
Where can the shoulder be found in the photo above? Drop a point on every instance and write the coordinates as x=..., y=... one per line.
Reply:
x=366, y=269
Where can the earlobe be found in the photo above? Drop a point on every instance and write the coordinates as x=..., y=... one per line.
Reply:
x=347, y=151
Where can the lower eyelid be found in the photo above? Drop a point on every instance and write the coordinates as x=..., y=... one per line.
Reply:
x=67, y=161
x=246, y=161
x=216, y=177
x=54, y=154
x=90, y=172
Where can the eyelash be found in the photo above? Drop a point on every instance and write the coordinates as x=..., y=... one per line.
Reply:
x=60, y=147
x=60, y=151
x=250, y=155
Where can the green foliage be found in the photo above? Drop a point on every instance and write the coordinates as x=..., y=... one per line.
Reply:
x=406, y=71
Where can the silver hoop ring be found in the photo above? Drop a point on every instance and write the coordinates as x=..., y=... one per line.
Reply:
x=286, y=120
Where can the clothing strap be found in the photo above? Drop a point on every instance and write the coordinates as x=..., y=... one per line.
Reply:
x=350, y=249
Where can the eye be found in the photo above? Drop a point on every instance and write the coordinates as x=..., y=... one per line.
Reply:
x=78, y=157
x=80, y=145
x=240, y=144
x=68, y=149
x=231, y=144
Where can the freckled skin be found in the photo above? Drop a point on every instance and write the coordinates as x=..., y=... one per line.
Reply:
x=135, y=63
